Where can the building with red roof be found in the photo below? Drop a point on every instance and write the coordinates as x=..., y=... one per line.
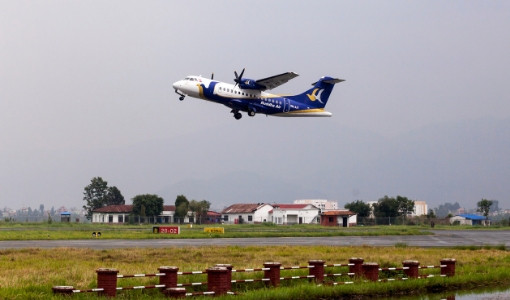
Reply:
x=344, y=218
x=246, y=213
x=118, y=214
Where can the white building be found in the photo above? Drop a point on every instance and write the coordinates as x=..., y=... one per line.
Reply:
x=469, y=219
x=246, y=213
x=287, y=214
x=420, y=208
x=112, y=214
x=322, y=204
x=119, y=214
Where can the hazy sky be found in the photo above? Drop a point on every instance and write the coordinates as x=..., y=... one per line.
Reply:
x=79, y=78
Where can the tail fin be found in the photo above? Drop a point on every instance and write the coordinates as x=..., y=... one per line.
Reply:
x=318, y=95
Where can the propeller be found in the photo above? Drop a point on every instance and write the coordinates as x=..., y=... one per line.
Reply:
x=238, y=78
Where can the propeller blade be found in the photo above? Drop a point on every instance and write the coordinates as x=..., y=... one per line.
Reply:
x=238, y=78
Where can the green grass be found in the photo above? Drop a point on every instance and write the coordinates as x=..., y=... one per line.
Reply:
x=30, y=273
x=57, y=231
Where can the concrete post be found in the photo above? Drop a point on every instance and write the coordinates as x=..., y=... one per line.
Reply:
x=170, y=278
x=63, y=289
x=371, y=271
x=273, y=273
x=356, y=268
x=107, y=280
x=413, y=270
x=175, y=292
x=449, y=270
x=229, y=268
x=317, y=270
x=218, y=280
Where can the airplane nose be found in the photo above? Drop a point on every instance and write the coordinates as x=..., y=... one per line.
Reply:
x=176, y=85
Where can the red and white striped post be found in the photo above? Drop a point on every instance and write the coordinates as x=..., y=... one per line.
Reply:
x=273, y=273
x=413, y=268
x=107, y=280
x=317, y=270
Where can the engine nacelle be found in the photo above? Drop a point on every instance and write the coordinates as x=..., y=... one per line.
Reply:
x=249, y=84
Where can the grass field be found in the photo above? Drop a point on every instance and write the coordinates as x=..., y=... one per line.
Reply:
x=31, y=273
x=56, y=231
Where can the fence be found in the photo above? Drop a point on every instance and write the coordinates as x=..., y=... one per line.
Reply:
x=219, y=278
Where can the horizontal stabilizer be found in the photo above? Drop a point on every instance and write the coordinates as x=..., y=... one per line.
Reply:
x=330, y=81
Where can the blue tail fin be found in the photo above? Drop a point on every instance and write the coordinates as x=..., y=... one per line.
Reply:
x=318, y=95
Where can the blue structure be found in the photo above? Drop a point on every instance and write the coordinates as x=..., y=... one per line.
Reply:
x=65, y=216
x=469, y=219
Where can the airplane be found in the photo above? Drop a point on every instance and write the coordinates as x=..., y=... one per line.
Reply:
x=249, y=95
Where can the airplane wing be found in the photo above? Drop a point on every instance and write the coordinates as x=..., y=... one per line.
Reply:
x=275, y=81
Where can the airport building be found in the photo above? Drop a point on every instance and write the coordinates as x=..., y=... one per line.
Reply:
x=246, y=213
x=322, y=204
x=288, y=214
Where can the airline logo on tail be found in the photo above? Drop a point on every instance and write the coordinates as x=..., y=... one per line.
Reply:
x=315, y=95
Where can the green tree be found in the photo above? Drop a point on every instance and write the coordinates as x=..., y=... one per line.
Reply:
x=94, y=195
x=181, y=207
x=97, y=194
x=150, y=205
x=484, y=206
x=405, y=206
x=359, y=207
x=114, y=197
x=199, y=209
x=386, y=207
x=204, y=208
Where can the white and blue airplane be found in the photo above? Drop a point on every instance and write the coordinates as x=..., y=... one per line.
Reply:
x=249, y=95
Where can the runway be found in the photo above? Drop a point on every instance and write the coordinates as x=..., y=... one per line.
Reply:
x=439, y=238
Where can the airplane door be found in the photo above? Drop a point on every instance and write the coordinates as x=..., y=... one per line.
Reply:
x=286, y=105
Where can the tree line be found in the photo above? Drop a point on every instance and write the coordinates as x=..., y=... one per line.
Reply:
x=392, y=207
x=386, y=207
x=98, y=194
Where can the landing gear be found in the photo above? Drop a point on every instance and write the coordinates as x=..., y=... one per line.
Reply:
x=251, y=112
x=180, y=94
x=237, y=114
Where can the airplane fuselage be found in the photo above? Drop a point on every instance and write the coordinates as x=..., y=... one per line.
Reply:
x=254, y=101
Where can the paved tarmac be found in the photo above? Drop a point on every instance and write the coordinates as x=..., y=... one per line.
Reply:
x=439, y=238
